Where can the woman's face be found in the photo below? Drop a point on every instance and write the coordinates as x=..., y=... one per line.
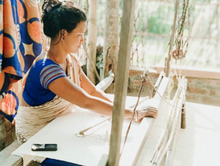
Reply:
x=74, y=39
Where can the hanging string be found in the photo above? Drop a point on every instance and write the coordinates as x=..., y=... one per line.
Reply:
x=179, y=54
x=165, y=100
x=134, y=112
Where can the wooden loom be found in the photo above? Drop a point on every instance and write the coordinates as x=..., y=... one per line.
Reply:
x=129, y=157
x=134, y=147
x=77, y=149
x=166, y=143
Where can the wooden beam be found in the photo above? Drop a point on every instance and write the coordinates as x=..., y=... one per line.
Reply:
x=121, y=82
x=13, y=160
x=192, y=71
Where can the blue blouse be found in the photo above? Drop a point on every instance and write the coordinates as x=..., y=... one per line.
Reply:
x=41, y=74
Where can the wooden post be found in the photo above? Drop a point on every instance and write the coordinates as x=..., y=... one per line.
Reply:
x=167, y=69
x=92, y=40
x=121, y=81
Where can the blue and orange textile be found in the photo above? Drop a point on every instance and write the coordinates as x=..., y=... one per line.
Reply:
x=20, y=43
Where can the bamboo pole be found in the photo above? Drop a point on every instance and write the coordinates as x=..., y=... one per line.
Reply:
x=121, y=82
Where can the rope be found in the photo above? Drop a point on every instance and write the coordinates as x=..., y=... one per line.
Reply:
x=159, y=93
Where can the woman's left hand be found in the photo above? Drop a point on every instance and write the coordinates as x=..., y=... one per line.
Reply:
x=140, y=113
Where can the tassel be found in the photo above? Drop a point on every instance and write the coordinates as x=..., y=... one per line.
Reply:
x=183, y=118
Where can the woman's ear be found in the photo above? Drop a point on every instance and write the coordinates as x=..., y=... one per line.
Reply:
x=63, y=33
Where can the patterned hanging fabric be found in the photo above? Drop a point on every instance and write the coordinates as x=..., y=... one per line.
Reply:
x=20, y=43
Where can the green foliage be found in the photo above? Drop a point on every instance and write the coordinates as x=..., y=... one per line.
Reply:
x=158, y=23
x=99, y=61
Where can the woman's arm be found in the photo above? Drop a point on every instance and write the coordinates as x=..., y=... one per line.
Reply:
x=89, y=87
x=66, y=89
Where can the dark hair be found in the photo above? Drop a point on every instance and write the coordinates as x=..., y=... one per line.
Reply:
x=57, y=16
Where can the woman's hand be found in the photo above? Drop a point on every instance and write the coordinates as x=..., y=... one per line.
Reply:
x=140, y=113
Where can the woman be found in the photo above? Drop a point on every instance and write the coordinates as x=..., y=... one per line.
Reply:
x=56, y=82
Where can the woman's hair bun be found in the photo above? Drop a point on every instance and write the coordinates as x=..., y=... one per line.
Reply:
x=57, y=16
x=50, y=4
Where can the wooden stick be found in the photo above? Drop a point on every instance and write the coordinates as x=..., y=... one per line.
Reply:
x=121, y=82
x=159, y=79
x=167, y=162
x=82, y=133
x=93, y=65
x=159, y=146
x=165, y=135
x=172, y=39
x=180, y=93
x=168, y=142
x=170, y=152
